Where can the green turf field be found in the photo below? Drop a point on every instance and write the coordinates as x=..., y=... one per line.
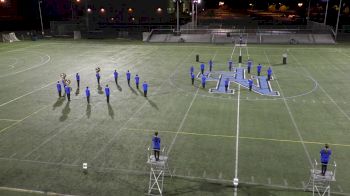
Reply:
x=44, y=140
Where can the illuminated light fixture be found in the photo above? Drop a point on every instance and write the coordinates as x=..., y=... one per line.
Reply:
x=78, y=1
x=102, y=10
x=159, y=9
x=300, y=4
x=2, y=1
x=112, y=19
x=250, y=4
x=130, y=9
x=133, y=19
x=221, y=3
x=89, y=10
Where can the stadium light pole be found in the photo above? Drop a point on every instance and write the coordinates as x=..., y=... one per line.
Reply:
x=177, y=15
x=308, y=10
x=41, y=18
x=325, y=15
x=193, y=13
x=197, y=2
x=336, y=27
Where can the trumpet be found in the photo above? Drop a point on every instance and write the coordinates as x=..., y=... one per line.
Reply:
x=98, y=69
x=63, y=76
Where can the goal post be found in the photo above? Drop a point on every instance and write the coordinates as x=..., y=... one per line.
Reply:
x=9, y=37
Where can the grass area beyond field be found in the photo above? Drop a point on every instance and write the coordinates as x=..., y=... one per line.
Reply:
x=44, y=140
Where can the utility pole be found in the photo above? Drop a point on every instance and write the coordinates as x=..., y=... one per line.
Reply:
x=41, y=18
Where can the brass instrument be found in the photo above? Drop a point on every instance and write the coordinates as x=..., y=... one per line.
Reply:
x=63, y=76
x=67, y=82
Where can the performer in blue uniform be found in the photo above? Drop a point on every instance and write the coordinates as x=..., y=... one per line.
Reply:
x=115, y=76
x=325, y=154
x=128, y=75
x=77, y=77
x=202, y=68
x=269, y=73
x=210, y=65
x=137, y=81
x=192, y=78
x=59, y=88
x=107, y=92
x=156, y=145
x=145, y=88
x=250, y=83
x=258, y=69
x=203, y=81
x=87, y=93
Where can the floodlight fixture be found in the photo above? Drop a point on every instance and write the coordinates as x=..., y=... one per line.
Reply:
x=300, y=4
x=102, y=10
x=89, y=10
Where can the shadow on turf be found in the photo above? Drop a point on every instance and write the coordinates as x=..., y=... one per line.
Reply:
x=133, y=90
x=154, y=105
x=99, y=89
x=77, y=92
x=110, y=111
x=278, y=64
x=58, y=103
x=88, y=110
x=65, y=112
x=119, y=87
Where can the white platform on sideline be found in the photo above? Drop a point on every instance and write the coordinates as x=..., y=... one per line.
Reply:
x=161, y=162
x=318, y=175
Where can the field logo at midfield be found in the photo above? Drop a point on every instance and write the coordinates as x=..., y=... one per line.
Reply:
x=263, y=86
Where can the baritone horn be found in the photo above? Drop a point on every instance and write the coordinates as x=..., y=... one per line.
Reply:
x=63, y=76
x=67, y=82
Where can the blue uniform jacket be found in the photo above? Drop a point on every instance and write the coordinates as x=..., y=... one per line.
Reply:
x=59, y=88
x=156, y=143
x=325, y=155
x=67, y=89
x=107, y=92
x=145, y=86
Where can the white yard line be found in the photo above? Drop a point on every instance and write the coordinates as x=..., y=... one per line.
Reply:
x=185, y=116
x=296, y=128
x=233, y=51
x=182, y=122
x=237, y=135
x=11, y=120
x=19, y=121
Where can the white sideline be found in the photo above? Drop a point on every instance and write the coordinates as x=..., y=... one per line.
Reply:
x=32, y=191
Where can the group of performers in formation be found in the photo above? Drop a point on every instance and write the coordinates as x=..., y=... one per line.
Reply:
x=230, y=66
x=67, y=89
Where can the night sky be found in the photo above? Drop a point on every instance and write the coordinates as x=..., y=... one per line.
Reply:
x=24, y=14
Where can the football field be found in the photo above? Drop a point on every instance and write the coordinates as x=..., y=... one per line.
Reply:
x=269, y=143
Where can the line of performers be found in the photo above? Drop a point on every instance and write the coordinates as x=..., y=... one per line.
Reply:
x=67, y=89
